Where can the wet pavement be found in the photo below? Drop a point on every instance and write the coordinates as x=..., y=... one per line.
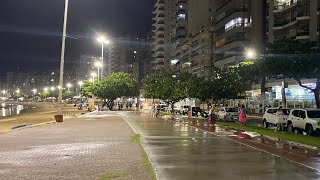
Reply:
x=83, y=148
x=180, y=151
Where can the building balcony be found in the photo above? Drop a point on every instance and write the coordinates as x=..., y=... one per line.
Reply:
x=232, y=44
x=157, y=46
x=159, y=53
x=284, y=7
x=284, y=24
x=232, y=15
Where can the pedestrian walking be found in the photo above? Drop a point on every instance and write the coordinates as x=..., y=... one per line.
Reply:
x=279, y=119
x=242, y=115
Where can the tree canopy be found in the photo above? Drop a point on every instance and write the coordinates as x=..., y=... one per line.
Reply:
x=114, y=86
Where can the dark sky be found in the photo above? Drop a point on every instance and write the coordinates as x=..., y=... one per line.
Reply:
x=30, y=30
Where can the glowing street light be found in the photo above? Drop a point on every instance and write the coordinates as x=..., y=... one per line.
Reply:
x=103, y=41
x=52, y=88
x=18, y=91
x=34, y=91
x=46, y=89
x=250, y=53
x=69, y=86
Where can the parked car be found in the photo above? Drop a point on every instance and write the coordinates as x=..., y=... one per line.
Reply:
x=228, y=113
x=184, y=109
x=270, y=118
x=196, y=111
x=307, y=120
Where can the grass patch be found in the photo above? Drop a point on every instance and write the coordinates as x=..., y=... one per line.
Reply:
x=112, y=176
x=165, y=113
x=146, y=163
x=136, y=138
x=288, y=136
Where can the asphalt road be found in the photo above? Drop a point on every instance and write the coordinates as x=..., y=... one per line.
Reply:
x=179, y=151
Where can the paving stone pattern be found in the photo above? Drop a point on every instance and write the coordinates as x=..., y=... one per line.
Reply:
x=84, y=148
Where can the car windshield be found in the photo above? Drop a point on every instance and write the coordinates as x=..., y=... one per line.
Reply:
x=286, y=111
x=231, y=110
x=313, y=114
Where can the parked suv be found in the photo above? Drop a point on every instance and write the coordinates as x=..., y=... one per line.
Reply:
x=228, y=114
x=270, y=118
x=307, y=120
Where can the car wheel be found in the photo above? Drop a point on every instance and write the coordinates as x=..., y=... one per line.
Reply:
x=290, y=127
x=265, y=124
x=309, y=130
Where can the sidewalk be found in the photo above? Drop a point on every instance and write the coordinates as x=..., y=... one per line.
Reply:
x=84, y=148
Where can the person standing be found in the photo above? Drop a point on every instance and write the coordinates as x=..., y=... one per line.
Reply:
x=242, y=115
x=280, y=119
x=212, y=116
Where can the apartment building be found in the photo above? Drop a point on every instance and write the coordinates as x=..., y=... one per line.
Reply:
x=294, y=19
x=239, y=25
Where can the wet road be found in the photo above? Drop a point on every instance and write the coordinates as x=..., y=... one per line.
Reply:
x=179, y=151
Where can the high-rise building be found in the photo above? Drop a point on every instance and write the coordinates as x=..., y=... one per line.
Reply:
x=84, y=67
x=17, y=81
x=206, y=33
x=128, y=54
x=160, y=31
x=238, y=27
x=195, y=53
x=294, y=19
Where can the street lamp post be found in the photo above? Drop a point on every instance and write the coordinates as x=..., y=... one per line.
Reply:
x=98, y=64
x=93, y=75
x=102, y=40
x=64, y=34
x=34, y=93
x=80, y=86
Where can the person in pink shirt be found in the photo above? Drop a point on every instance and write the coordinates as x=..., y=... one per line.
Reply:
x=242, y=115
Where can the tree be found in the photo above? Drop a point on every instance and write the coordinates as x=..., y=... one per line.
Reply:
x=87, y=88
x=293, y=59
x=114, y=86
x=68, y=94
x=226, y=83
x=171, y=86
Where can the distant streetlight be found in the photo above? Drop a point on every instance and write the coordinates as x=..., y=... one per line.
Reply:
x=52, y=88
x=69, y=86
x=98, y=64
x=34, y=91
x=46, y=89
x=18, y=91
x=103, y=41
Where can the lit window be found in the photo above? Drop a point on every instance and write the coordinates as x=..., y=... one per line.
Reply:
x=181, y=16
x=237, y=22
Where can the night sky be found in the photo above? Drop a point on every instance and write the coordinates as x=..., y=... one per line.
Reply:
x=30, y=30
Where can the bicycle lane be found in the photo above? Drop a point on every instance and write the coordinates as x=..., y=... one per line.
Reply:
x=179, y=151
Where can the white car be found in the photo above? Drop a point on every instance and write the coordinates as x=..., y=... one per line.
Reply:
x=228, y=113
x=270, y=118
x=307, y=120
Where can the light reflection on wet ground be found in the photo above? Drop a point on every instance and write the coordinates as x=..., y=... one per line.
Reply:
x=11, y=109
x=179, y=151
